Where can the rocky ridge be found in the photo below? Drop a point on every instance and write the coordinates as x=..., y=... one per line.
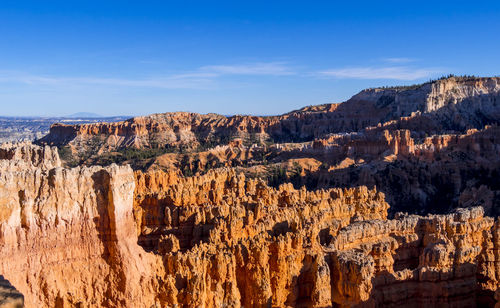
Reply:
x=18, y=129
x=452, y=104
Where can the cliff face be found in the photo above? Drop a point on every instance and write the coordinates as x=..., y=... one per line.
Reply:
x=435, y=261
x=67, y=235
x=25, y=154
x=109, y=237
x=432, y=96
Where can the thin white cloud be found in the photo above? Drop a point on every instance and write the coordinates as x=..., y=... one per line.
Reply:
x=393, y=72
x=272, y=68
x=159, y=82
x=399, y=60
x=202, y=78
x=172, y=82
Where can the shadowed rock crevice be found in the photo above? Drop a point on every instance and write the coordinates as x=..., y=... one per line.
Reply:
x=9, y=296
x=162, y=219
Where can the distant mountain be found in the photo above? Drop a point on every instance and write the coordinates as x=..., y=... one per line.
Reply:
x=85, y=115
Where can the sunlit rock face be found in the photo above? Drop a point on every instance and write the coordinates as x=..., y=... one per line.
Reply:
x=112, y=237
x=67, y=235
x=201, y=224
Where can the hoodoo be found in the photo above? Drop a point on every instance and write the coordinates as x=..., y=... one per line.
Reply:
x=109, y=236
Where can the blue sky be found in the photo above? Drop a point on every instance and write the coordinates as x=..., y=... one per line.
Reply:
x=247, y=57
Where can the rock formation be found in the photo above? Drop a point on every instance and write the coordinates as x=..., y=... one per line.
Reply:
x=67, y=235
x=112, y=237
x=421, y=175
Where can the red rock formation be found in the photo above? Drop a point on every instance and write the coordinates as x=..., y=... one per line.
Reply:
x=114, y=237
x=67, y=235
x=415, y=261
x=108, y=237
x=421, y=175
x=43, y=157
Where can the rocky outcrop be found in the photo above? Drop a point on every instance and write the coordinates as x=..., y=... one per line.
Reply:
x=420, y=175
x=416, y=261
x=24, y=153
x=348, y=255
x=167, y=204
x=67, y=235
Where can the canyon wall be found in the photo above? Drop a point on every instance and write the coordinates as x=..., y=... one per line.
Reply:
x=67, y=235
x=112, y=237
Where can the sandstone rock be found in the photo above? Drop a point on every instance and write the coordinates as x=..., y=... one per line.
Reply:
x=67, y=236
x=24, y=153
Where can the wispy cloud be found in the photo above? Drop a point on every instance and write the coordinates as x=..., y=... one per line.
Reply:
x=149, y=62
x=399, y=60
x=171, y=82
x=272, y=68
x=203, y=78
x=392, y=72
